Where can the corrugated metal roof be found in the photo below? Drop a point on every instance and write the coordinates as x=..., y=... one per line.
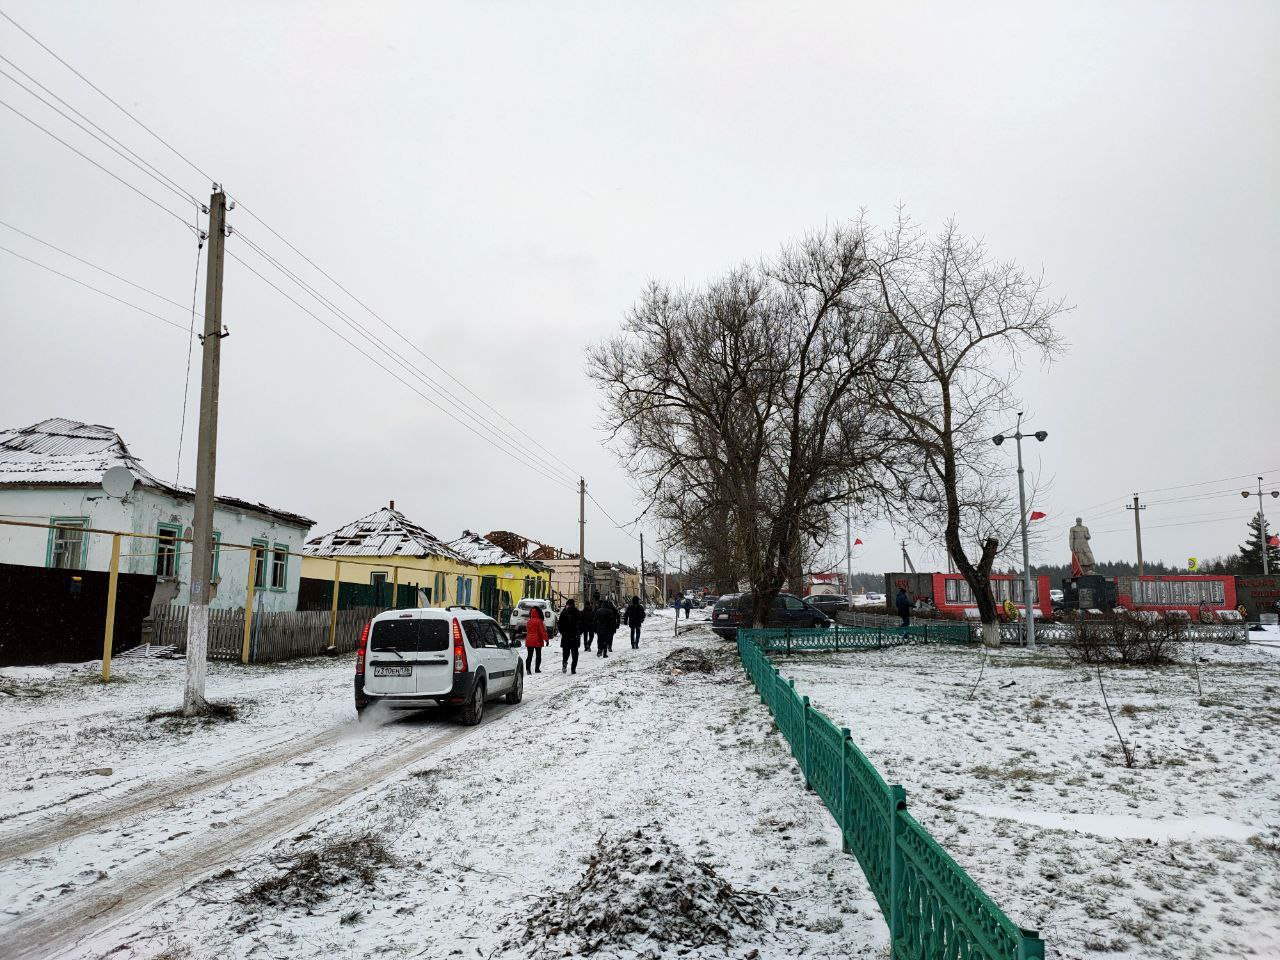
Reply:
x=61, y=453
x=383, y=533
x=481, y=550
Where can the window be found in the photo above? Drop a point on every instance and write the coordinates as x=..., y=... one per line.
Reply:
x=463, y=596
x=67, y=543
x=167, y=549
x=217, y=554
x=794, y=603
x=409, y=635
x=260, y=571
x=378, y=580
x=437, y=591
x=279, y=566
x=478, y=633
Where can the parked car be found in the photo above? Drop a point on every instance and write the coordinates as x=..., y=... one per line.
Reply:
x=828, y=603
x=520, y=616
x=1056, y=600
x=788, y=610
x=456, y=656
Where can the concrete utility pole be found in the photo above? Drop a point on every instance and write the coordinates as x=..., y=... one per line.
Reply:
x=582, y=542
x=665, y=595
x=848, y=546
x=1137, y=528
x=642, y=596
x=1027, y=590
x=206, y=461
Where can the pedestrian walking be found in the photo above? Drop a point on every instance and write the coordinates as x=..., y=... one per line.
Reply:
x=588, y=624
x=688, y=605
x=607, y=622
x=535, y=638
x=903, y=603
x=633, y=616
x=570, y=634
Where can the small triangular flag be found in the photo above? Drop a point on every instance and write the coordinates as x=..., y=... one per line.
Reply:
x=857, y=542
x=1037, y=515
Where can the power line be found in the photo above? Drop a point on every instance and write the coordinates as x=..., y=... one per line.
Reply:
x=89, y=286
x=88, y=263
x=186, y=384
x=386, y=369
x=613, y=521
x=150, y=199
x=163, y=181
x=392, y=353
x=1205, y=483
x=105, y=96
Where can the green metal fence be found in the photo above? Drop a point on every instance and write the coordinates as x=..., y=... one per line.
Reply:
x=934, y=909
x=872, y=637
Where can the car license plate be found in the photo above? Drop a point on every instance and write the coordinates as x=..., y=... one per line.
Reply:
x=393, y=671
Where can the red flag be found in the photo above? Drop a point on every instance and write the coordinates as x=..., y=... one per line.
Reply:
x=1273, y=541
x=858, y=542
x=1037, y=515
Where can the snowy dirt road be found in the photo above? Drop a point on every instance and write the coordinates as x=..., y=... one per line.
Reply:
x=459, y=834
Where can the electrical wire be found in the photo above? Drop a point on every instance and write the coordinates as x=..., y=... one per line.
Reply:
x=150, y=199
x=163, y=181
x=91, y=264
x=191, y=343
x=393, y=354
x=89, y=286
x=613, y=521
x=388, y=370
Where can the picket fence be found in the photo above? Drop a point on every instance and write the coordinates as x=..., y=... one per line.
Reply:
x=275, y=636
x=934, y=909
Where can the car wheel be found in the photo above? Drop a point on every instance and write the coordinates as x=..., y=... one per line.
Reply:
x=473, y=709
x=516, y=694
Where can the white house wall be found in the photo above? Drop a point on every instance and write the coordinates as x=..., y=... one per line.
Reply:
x=142, y=512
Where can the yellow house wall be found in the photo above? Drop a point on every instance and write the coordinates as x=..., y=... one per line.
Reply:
x=511, y=579
x=419, y=570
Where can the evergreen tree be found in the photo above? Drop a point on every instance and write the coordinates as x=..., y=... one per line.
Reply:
x=1251, y=551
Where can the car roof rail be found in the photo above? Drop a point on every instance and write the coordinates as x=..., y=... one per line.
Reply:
x=463, y=606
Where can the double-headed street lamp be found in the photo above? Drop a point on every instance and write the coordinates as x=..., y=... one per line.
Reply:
x=998, y=439
x=1262, y=523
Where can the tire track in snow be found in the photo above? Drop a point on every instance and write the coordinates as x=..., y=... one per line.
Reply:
x=76, y=917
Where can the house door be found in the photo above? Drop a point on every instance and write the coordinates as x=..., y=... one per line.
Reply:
x=489, y=596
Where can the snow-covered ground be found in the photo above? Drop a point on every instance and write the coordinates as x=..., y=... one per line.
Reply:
x=630, y=797
x=1021, y=778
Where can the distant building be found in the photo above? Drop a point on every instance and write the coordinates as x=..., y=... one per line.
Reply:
x=51, y=473
x=505, y=578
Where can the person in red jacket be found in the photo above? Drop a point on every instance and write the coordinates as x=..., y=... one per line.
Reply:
x=535, y=639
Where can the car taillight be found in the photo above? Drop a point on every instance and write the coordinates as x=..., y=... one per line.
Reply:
x=459, y=649
x=364, y=640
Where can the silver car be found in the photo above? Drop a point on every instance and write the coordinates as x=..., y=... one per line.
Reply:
x=520, y=616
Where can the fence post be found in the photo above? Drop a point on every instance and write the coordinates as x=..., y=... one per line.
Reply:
x=395, y=587
x=333, y=609
x=897, y=868
x=804, y=766
x=109, y=632
x=837, y=638
x=788, y=641
x=845, y=737
x=248, y=605
x=1030, y=946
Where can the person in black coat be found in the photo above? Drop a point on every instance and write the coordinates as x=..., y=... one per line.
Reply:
x=606, y=620
x=903, y=604
x=633, y=616
x=570, y=627
x=588, y=625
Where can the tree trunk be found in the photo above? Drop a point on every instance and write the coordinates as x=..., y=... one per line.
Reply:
x=991, y=634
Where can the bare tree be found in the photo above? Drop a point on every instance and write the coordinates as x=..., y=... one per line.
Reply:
x=748, y=403
x=965, y=319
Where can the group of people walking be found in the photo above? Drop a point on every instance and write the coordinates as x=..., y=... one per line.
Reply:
x=594, y=623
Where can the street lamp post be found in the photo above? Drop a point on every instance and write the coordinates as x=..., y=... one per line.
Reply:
x=998, y=439
x=1262, y=522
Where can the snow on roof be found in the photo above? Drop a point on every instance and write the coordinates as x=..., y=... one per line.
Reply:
x=482, y=551
x=63, y=453
x=383, y=533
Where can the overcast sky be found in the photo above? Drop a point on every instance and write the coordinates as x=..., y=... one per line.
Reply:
x=498, y=180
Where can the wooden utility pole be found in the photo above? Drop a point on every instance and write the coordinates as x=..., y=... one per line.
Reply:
x=642, y=596
x=206, y=461
x=582, y=542
x=1137, y=528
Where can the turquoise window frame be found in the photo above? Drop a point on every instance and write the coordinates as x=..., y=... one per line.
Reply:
x=284, y=587
x=264, y=547
x=176, y=530
x=82, y=523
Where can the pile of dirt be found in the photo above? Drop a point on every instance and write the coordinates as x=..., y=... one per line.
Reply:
x=211, y=712
x=309, y=876
x=642, y=895
x=686, y=660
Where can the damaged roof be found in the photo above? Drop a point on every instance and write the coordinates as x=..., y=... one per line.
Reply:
x=484, y=552
x=67, y=453
x=383, y=533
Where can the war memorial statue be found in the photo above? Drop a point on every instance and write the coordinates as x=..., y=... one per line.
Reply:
x=1081, y=555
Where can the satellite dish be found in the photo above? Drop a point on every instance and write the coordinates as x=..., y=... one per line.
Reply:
x=118, y=482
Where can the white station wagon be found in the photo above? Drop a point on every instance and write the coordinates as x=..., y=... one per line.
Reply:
x=455, y=656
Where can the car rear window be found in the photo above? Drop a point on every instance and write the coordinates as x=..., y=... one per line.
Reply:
x=410, y=635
